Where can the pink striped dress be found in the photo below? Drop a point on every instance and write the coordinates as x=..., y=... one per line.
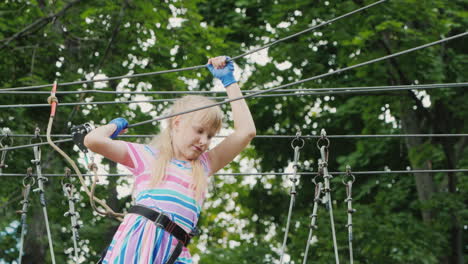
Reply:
x=137, y=239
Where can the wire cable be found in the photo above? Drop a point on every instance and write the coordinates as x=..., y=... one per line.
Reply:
x=200, y=66
x=257, y=136
x=235, y=174
x=297, y=92
x=386, y=87
x=306, y=80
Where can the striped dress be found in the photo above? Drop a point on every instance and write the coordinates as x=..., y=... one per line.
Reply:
x=137, y=239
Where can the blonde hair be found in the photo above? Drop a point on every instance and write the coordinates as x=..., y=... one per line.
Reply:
x=210, y=117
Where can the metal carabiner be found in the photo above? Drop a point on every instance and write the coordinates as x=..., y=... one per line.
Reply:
x=323, y=138
x=348, y=175
x=299, y=139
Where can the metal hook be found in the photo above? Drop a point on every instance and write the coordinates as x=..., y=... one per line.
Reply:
x=36, y=137
x=298, y=138
x=66, y=177
x=323, y=138
x=349, y=175
x=29, y=177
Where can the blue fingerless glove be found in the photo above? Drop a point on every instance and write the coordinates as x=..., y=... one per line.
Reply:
x=226, y=74
x=121, y=123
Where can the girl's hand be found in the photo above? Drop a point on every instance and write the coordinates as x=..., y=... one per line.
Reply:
x=121, y=124
x=222, y=69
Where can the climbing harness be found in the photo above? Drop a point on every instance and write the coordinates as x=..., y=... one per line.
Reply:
x=53, y=101
x=69, y=191
x=163, y=221
x=300, y=144
x=348, y=200
x=323, y=143
x=28, y=182
x=318, y=192
x=3, y=144
x=40, y=183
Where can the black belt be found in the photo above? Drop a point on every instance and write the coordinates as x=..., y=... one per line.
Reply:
x=164, y=222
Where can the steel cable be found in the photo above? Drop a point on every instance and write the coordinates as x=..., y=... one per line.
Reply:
x=199, y=66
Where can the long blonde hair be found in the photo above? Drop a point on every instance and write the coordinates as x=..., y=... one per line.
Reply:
x=211, y=117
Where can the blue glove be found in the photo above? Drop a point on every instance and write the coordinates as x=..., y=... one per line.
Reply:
x=226, y=74
x=121, y=124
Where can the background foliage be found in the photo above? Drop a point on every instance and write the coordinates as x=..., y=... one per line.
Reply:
x=400, y=218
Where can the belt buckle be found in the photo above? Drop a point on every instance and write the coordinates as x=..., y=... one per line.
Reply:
x=156, y=221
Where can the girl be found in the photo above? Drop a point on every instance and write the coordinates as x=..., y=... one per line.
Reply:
x=171, y=173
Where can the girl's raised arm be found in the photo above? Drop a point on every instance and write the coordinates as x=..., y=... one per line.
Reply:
x=244, y=126
x=99, y=140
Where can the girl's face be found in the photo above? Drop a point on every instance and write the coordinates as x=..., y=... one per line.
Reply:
x=190, y=138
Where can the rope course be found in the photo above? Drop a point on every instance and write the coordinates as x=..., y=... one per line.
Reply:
x=201, y=66
x=323, y=143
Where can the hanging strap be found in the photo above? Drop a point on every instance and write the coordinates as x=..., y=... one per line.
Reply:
x=318, y=192
x=4, y=152
x=28, y=182
x=323, y=147
x=296, y=144
x=349, y=200
x=40, y=182
x=69, y=192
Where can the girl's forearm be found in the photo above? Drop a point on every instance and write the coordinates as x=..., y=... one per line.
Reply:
x=99, y=136
x=243, y=121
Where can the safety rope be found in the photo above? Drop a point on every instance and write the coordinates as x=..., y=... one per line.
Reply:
x=69, y=192
x=202, y=66
x=4, y=150
x=323, y=143
x=40, y=183
x=300, y=144
x=313, y=225
x=54, y=101
x=28, y=183
x=349, y=200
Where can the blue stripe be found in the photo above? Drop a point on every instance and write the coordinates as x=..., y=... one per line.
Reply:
x=167, y=192
x=171, y=199
x=168, y=249
x=138, y=247
x=158, y=237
